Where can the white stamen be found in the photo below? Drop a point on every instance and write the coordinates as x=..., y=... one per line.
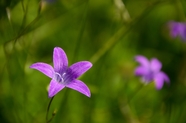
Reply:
x=58, y=77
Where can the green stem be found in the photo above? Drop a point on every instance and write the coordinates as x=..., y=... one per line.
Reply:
x=121, y=33
x=135, y=93
x=79, y=39
x=49, y=104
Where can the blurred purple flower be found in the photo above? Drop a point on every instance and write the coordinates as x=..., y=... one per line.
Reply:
x=177, y=29
x=150, y=71
x=63, y=76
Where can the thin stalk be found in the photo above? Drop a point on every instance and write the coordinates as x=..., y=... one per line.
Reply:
x=135, y=93
x=78, y=42
x=121, y=33
x=49, y=104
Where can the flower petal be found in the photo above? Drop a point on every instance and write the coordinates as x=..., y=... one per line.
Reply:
x=60, y=60
x=148, y=77
x=183, y=32
x=166, y=78
x=44, y=68
x=158, y=81
x=77, y=69
x=54, y=88
x=142, y=60
x=177, y=29
x=174, y=29
x=155, y=65
x=141, y=70
x=79, y=86
x=160, y=78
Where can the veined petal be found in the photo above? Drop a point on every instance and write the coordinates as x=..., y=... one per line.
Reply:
x=142, y=60
x=155, y=65
x=54, y=88
x=141, y=70
x=80, y=87
x=77, y=69
x=159, y=79
x=60, y=60
x=44, y=68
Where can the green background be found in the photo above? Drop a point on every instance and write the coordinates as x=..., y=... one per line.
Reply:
x=108, y=33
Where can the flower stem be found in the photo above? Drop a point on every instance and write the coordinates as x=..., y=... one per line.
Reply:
x=79, y=39
x=49, y=104
x=135, y=93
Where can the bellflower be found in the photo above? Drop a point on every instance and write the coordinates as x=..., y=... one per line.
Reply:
x=177, y=29
x=63, y=76
x=151, y=71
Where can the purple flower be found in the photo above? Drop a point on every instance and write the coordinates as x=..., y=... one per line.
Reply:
x=151, y=71
x=63, y=76
x=177, y=29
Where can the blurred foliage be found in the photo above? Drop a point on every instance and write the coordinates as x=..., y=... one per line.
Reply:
x=109, y=33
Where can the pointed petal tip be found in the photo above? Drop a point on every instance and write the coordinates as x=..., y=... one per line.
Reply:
x=166, y=77
x=89, y=63
x=60, y=60
x=137, y=56
x=167, y=81
x=32, y=66
x=89, y=95
x=44, y=68
x=59, y=49
x=79, y=86
x=142, y=60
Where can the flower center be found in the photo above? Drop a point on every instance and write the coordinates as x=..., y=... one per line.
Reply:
x=149, y=77
x=59, y=78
